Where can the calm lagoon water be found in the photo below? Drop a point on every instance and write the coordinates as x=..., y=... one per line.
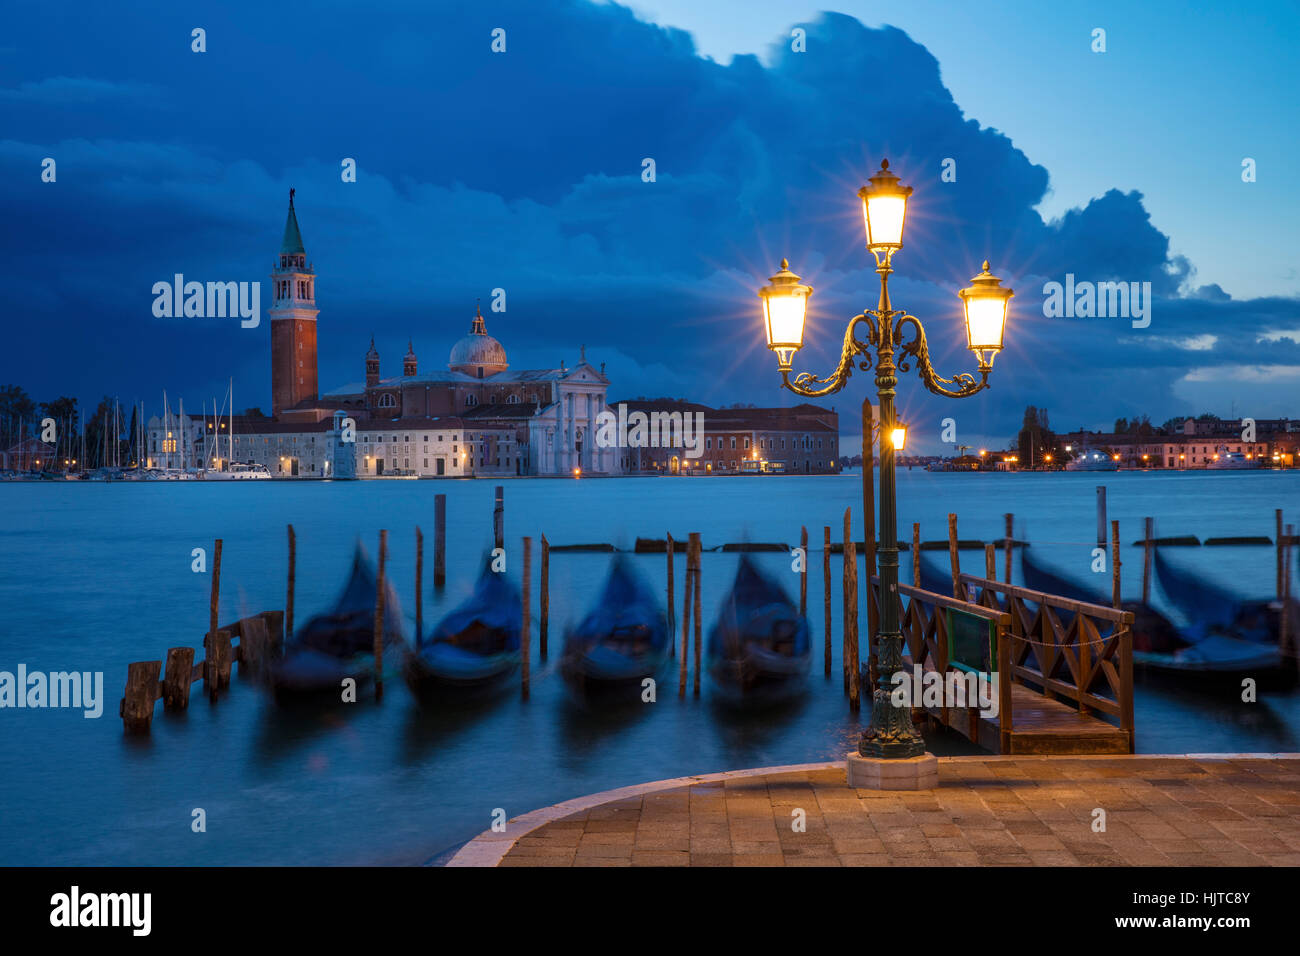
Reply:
x=93, y=576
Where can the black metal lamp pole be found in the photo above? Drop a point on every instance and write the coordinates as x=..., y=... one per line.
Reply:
x=890, y=733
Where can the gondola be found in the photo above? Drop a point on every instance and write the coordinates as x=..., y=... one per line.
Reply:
x=1216, y=610
x=339, y=644
x=474, y=646
x=623, y=639
x=759, y=648
x=1159, y=646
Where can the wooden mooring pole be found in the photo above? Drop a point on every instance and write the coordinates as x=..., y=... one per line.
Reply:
x=990, y=561
x=1148, y=533
x=953, y=559
x=419, y=585
x=916, y=554
x=379, y=616
x=852, y=670
x=1114, y=565
x=288, y=597
x=844, y=598
x=803, y=575
x=545, y=600
x=1287, y=643
x=697, y=550
x=1277, y=520
x=686, y=627
x=439, y=541
x=1010, y=520
x=826, y=591
x=136, y=708
x=499, y=517
x=177, y=678
x=672, y=604
x=1101, y=516
x=212, y=642
x=525, y=637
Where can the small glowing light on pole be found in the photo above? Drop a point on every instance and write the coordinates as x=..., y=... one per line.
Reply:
x=899, y=437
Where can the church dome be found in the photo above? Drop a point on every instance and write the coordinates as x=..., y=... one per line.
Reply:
x=478, y=353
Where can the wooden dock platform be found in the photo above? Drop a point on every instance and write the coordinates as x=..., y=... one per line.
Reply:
x=1046, y=726
x=1064, y=668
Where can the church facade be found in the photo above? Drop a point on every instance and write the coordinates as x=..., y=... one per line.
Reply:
x=520, y=422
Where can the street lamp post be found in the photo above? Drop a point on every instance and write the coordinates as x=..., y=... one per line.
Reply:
x=898, y=341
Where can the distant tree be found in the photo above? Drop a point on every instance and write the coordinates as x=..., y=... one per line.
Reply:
x=253, y=413
x=17, y=414
x=1121, y=426
x=134, y=440
x=64, y=412
x=1036, y=438
x=98, y=431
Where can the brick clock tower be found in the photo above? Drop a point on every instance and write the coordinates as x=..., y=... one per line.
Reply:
x=293, y=322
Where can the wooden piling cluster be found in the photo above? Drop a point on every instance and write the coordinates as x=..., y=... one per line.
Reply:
x=259, y=638
x=250, y=642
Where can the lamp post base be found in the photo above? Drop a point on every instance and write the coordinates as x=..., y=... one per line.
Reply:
x=909, y=773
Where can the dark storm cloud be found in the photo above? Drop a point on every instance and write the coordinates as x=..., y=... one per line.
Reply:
x=523, y=171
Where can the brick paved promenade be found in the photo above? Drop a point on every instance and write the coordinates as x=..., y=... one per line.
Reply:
x=988, y=811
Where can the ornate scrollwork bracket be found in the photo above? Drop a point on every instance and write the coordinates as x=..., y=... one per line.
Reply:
x=854, y=352
x=917, y=350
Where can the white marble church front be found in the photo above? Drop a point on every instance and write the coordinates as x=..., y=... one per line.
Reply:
x=561, y=436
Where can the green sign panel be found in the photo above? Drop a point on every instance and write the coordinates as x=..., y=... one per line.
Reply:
x=972, y=642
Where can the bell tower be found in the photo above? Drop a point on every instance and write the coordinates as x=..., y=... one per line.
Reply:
x=293, y=322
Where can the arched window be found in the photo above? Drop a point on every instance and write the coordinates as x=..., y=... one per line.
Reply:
x=471, y=400
x=386, y=400
x=513, y=400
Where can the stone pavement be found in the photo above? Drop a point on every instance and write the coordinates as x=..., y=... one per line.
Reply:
x=988, y=811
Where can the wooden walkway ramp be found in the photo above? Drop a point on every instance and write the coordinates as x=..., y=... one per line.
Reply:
x=1064, y=668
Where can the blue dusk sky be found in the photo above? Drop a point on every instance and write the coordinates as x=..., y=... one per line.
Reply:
x=522, y=170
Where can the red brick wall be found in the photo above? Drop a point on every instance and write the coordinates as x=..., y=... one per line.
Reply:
x=292, y=341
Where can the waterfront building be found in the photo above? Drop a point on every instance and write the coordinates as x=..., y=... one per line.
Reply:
x=803, y=439
x=29, y=454
x=1186, y=451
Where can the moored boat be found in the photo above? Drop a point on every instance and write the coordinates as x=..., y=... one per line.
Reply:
x=623, y=639
x=238, y=471
x=759, y=647
x=1092, y=460
x=1214, y=609
x=1161, y=647
x=474, y=646
x=1225, y=460
x=340, y=643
